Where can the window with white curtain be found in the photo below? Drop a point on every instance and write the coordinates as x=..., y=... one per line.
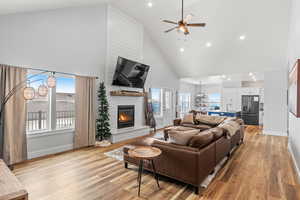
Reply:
x=54, y=111
x=184, y=103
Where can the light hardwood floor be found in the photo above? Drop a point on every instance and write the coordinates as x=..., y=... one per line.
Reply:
x=260, y=169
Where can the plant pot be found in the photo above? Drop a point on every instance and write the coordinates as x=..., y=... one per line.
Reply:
x=103, y=143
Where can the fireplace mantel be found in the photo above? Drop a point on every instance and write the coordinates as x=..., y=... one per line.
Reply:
x=128, y=94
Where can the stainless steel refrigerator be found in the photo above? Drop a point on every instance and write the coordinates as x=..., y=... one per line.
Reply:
x=250, y=109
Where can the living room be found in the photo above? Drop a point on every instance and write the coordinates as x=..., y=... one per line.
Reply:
x=63, y=135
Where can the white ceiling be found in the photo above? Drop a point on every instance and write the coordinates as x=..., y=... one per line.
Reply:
x=264, y=23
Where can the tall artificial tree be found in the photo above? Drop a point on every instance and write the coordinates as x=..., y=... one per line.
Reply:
x=103, y=127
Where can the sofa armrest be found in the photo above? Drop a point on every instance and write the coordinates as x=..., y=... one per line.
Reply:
x=176, y=122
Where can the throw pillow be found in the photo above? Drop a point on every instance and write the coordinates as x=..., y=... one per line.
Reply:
x=188, y=119
x=211, y=120
x=182, y=137
x=202, y=139
x=231, y=128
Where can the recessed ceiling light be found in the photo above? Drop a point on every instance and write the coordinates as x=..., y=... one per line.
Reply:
x=181, y=49
x=208, y=44
x=242, y=37
x=223, y=76
x=229, y=79
x=250, y=74
x=150, y=4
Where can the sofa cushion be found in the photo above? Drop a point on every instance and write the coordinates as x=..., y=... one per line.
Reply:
x=188, y=119
x=217, y=132
x=198, y=126
x=211, y=120
x=182, y=137
x=202, y=139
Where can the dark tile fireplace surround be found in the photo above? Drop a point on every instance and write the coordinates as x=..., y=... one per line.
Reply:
x=125, y=116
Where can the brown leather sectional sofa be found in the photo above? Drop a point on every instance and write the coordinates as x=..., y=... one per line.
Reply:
x=188, y=164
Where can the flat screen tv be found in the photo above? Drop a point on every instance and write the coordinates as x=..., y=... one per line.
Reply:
x=130, y=73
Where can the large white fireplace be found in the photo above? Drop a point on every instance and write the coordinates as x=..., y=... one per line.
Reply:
x=127, y=117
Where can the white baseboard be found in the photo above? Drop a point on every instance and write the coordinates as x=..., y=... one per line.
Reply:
x=294, y=160
x=53, y=150
x=275, y=133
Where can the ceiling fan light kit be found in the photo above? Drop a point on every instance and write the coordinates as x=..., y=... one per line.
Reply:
x=183, y=24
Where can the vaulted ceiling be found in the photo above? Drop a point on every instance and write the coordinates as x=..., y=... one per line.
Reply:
x=264, y=24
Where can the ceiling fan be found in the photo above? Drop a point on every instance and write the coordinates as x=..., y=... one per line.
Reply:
x=183, y=24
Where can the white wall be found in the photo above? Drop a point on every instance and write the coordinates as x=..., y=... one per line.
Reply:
x=293, y=55
x=66, y=40
x=275, y=103
x=74, y=40
x=134, y=43
x=161, y=76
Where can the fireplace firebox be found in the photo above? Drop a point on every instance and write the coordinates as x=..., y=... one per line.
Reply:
x=125, y=116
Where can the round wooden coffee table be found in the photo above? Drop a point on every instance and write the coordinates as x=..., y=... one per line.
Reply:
x=145, y=153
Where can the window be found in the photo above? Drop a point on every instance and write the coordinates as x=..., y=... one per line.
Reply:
x=56, y=110
x=184, y=103
x=167, y=100
x=156, y=97
x=214, y=101
x=65, y=102
x=38, y=108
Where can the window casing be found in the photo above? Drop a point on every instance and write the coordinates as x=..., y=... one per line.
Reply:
x=56, y=111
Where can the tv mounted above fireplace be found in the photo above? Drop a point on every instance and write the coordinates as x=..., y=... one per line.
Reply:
x=130, y=73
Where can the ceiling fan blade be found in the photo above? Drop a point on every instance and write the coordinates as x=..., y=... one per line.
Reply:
x=197, y=24
x=171, y=29
x=170, y=22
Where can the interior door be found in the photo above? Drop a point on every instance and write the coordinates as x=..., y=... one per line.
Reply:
x=168, y=107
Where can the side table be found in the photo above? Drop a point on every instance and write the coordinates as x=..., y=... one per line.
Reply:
x=145, y=153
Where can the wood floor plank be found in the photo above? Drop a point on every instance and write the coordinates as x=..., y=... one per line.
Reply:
x=261, y=169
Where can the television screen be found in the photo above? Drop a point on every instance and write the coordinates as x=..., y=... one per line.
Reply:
x=130, y=73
